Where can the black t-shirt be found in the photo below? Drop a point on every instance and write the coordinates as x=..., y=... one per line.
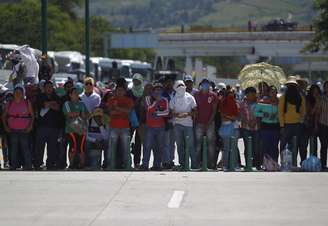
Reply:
x=51, y=119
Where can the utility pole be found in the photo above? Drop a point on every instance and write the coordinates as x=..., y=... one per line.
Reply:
x=44, y=26
x=87, y=38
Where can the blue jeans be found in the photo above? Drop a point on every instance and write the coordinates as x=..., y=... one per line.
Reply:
x=121, y=135
x=20, y=141
x=49, y=136
x=153, y=140
x=169, y=147
x=209, y=132
x=181, y=133
x=269, y=142
x=226, y=150
x=256, y=152
x=94, y=156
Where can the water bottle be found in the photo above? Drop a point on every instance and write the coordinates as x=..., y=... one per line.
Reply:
x=286, y=160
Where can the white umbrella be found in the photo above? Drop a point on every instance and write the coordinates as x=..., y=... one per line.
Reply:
x=251, y=75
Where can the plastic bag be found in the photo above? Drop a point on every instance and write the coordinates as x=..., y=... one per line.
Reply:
x=286, y=160
x=270, y=165
x=312, y=164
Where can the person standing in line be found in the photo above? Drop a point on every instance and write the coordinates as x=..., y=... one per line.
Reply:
x=157, y=109
x=75, y=129
x=169, y=144
x=91, y=100
x=250, y=125
x=183, y=107
x=205, y=121
x=229, y=112
x=119, y=107
x=136, y=94
x=48, y=123
x=18, y=119
x=322, y=126
x=61, y=141
x=309, y=129
x=291, y=113
x=267, y=111
x=97, y=138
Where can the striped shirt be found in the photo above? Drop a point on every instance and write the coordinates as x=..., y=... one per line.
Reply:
x=323, y=119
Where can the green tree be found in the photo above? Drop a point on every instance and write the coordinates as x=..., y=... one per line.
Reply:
x=21, y=24
x=147, y=55
x=320, y=40
x=99, y=28
x=68, y=6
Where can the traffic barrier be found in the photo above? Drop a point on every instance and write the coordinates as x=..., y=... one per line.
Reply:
x=113, y=156
x=311, y=146
x=128, y=162
x=232, y=154
x=294, y=152
x=249, y=160
x=187, y=153
x=204, y=154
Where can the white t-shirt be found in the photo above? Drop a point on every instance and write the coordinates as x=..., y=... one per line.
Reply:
x=183, y=105
x=91, y=102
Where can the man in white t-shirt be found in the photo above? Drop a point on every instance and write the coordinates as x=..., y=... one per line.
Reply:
x=183, y=107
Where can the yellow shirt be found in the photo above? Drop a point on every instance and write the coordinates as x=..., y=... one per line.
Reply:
x=291, y=116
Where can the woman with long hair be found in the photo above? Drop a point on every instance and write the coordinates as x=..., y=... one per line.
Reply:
x=322, y=124
x=309, y=127
x=291, y=113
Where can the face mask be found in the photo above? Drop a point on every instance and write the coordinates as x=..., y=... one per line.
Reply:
x=180, y=91
x=205, y=86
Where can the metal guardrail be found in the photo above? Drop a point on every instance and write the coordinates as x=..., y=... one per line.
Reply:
x=198, y=29
x=237, y=36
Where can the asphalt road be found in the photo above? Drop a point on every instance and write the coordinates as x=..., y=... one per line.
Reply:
x=163, y=198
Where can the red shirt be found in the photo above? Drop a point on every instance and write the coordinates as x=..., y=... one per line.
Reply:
x=229, y=107
x=157, y=111
x=205, y=105
x=119, y=119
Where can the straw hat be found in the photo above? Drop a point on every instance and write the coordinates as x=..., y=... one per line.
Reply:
x=291, y=80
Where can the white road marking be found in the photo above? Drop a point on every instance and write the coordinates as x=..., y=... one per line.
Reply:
x=176, y=200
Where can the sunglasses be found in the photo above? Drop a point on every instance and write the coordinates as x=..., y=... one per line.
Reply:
x=88, y=84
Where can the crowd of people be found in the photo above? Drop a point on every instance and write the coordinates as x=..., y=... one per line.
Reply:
x=97, y=128
x=93, y=128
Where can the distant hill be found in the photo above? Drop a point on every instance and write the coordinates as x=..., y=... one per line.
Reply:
x=216, y=13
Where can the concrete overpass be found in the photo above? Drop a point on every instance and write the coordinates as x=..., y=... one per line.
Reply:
x=252, y=45
x=234, y=44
